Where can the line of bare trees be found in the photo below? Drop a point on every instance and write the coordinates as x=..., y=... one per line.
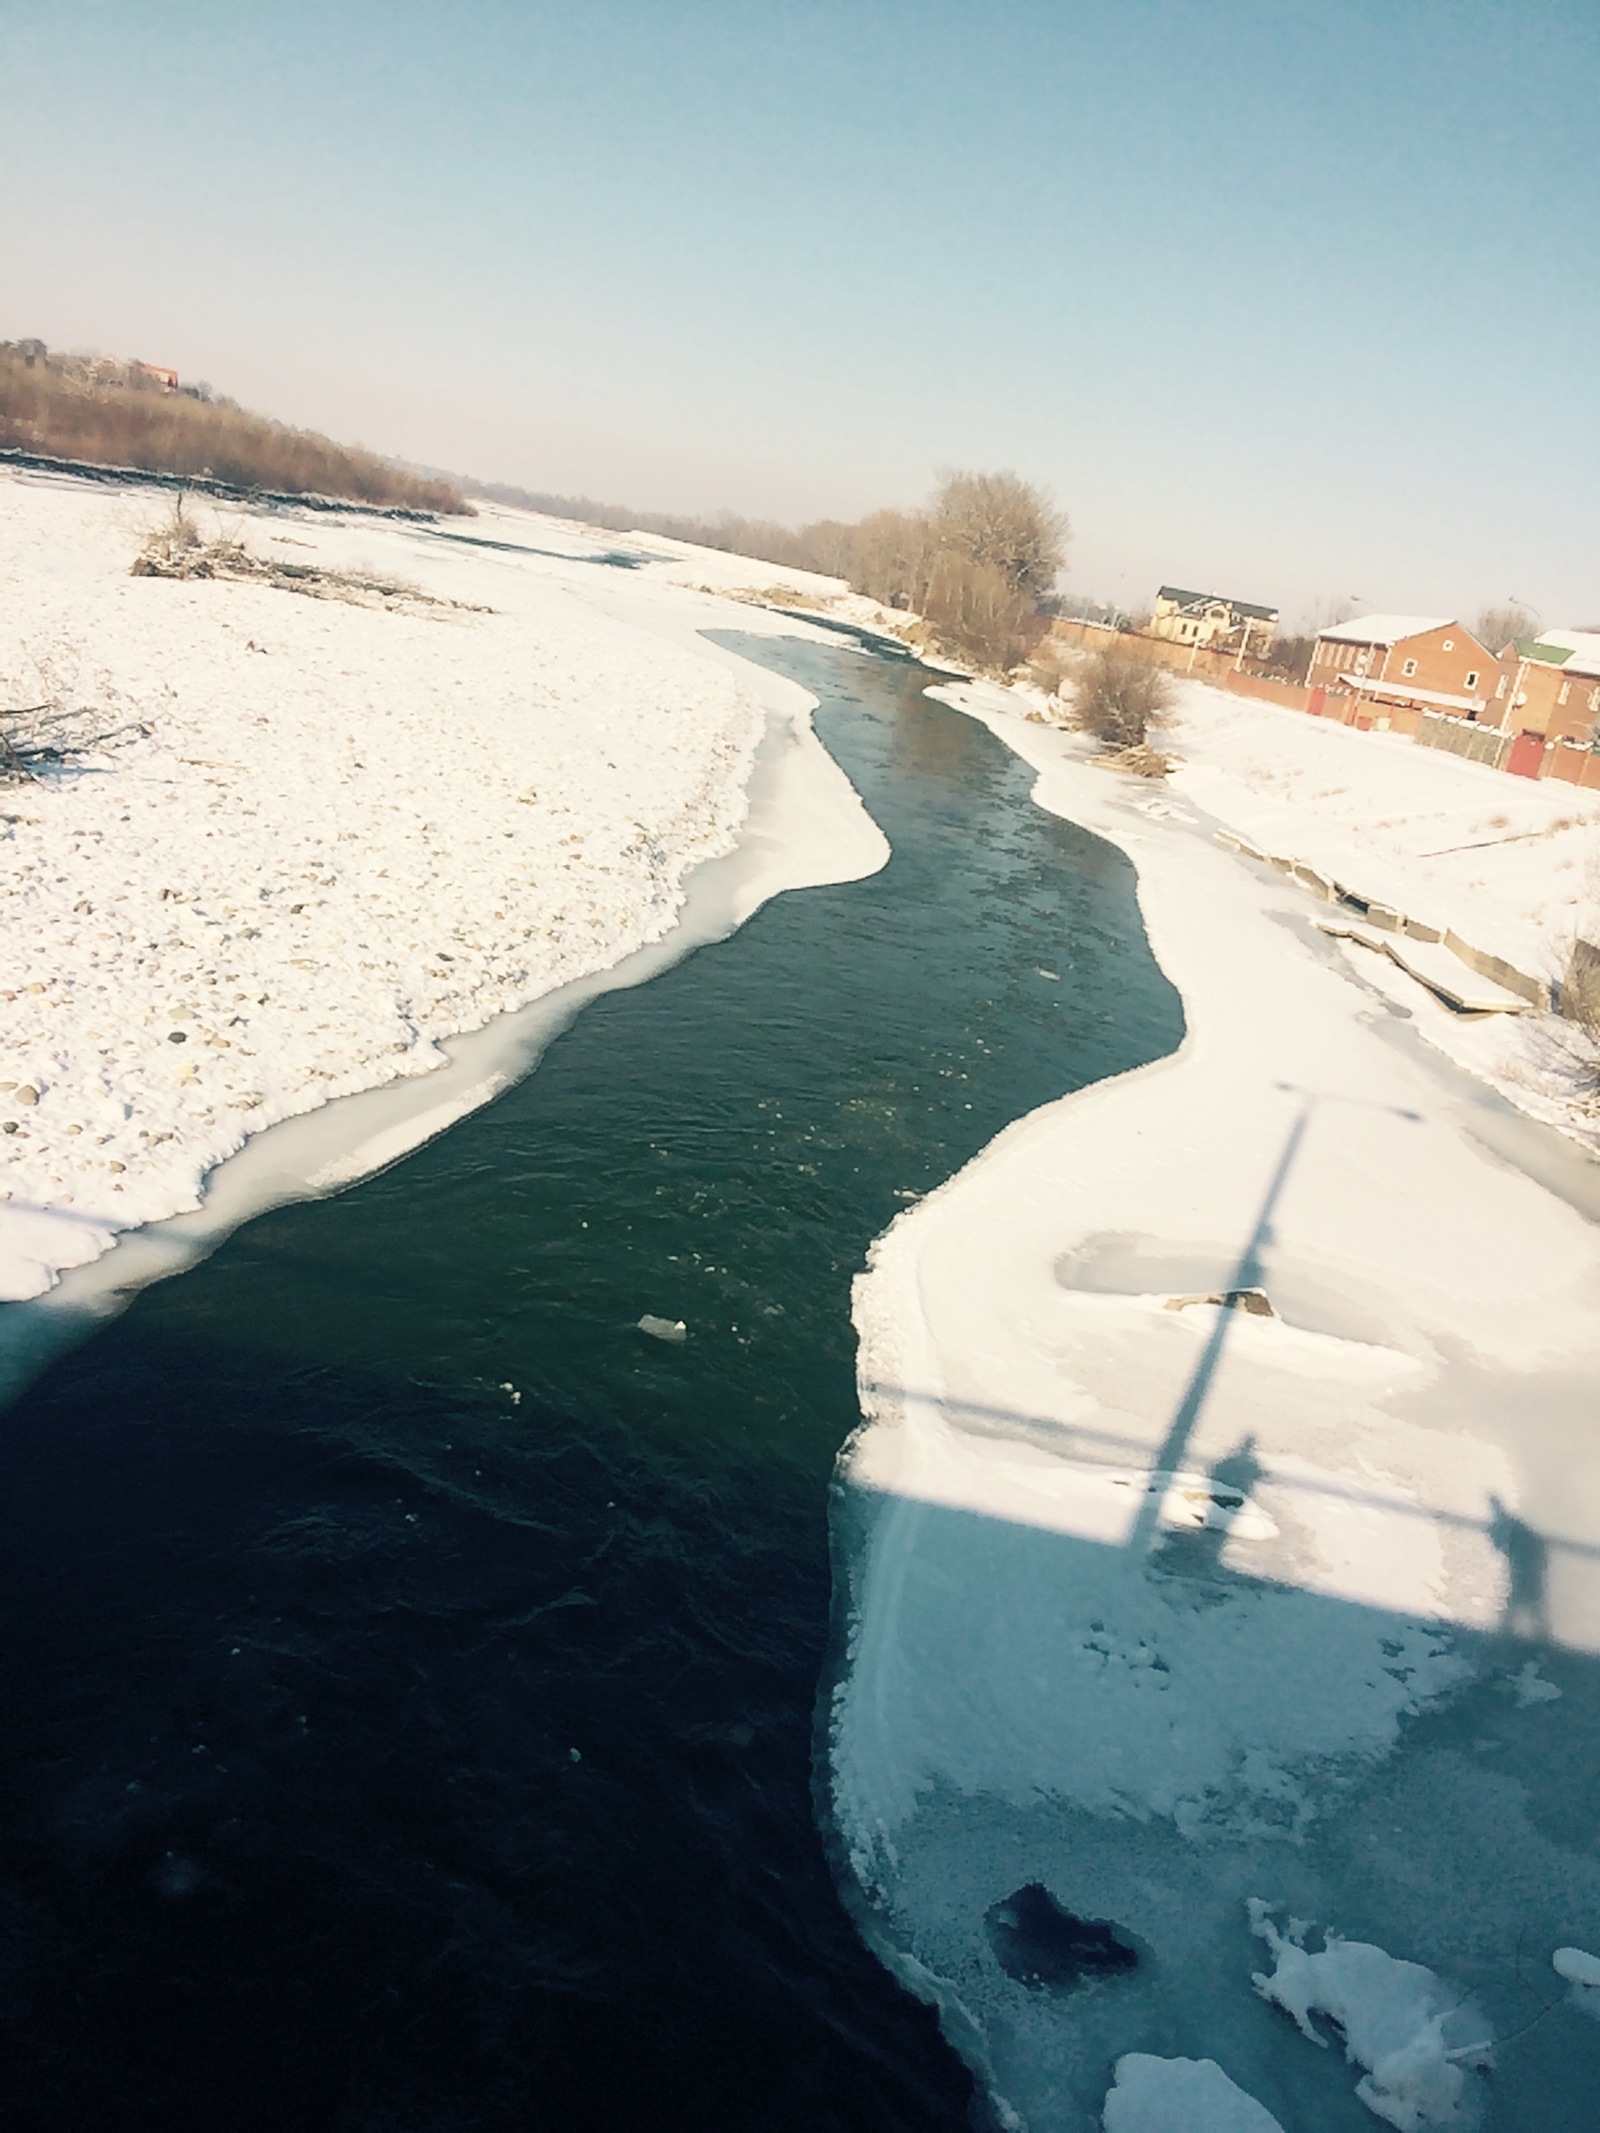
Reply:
x=111, y=413
x=977, y=563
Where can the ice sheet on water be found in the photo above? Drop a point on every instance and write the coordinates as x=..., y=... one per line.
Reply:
x=1412, y=2034
x=1180, y=2096
x=663, y=1329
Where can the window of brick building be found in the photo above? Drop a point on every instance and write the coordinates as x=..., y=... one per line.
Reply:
x=1472, y=679
x=1409, y=668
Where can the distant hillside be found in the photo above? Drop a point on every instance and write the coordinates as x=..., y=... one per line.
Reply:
x=113, y=413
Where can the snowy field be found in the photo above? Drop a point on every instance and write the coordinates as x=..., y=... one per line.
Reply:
x=1510, y=864
x=335, y=835
x=1163, y=1608
x=1215, y=1667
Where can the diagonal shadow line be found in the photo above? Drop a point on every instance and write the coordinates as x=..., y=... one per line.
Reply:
x=1246, y=1274
x=1344, y=1492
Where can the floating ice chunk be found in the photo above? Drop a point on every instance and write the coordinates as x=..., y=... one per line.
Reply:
x=1399, y=2022
x=1582, y=1972
x=663, y=1329
x=1180, y=2096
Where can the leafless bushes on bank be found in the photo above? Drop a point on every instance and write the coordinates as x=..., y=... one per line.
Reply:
x=177, y=548
x=975, y=564
x=36, y=738
x=1118, y=698
x=112, y=414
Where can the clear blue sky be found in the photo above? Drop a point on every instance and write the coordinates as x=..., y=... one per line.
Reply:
x=1298, y=299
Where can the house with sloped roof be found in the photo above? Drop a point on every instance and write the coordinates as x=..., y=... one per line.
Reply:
x=1212, y=621
x=1388, y=670
x=1549, y=685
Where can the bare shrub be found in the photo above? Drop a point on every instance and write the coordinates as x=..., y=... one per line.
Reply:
x=113, y=414
x=1290, y=657
x=176, y=548
x=1579, y=1001
x=1117, y=698
x=1052, y=666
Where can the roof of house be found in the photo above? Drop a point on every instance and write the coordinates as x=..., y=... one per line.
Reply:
x=1385, y=629
x=1194, y=599
x=1541, y=649
x=1577, y=650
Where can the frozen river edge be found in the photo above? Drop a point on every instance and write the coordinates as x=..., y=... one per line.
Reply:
x=762, y=794
x=1167, y=1606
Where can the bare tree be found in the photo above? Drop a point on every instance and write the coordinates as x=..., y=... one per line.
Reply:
x=1497, y=627
x=1005, y=523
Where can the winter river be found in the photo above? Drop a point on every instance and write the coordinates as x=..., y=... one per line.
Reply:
x=411, y=1664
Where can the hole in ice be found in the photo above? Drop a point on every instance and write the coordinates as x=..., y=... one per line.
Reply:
x=1038, y=1941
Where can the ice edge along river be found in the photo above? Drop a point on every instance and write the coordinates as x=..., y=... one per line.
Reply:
x=804, y=827
x=1145, y=1598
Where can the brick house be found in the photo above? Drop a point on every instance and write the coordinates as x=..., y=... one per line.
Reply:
x=1547, y=699
x=1550, y=686
x=1213, y=622
x=1386, y=671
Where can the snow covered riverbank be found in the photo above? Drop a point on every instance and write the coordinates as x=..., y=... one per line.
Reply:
x=346, y=833
x=1226, y=1527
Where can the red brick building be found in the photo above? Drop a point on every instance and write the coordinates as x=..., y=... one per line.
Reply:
x=1387, y=670
x=1550, y=686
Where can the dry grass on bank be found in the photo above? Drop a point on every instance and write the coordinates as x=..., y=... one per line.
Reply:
x=177, y=548
x=109, y=414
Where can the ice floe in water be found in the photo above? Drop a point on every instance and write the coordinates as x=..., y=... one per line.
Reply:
x=1180, y=2096
x=1582, y=1972
x=663, y=1329
x=1414, y=2036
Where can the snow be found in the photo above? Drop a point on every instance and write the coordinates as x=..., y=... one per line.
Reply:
x=1583, y=644
x=349, y=833
x=1410, y=2032
x=1577, y=1965
x=1159, y=1606
x=1180, y=2096
x=1384, y=629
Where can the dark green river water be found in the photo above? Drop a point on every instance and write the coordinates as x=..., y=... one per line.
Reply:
x=386, y=1749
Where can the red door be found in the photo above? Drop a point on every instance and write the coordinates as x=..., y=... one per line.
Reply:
x=1526, y=759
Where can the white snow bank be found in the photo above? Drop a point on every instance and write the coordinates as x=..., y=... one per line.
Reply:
x=1511, y=864
x=1149, y=1604
x=1180, y=2096
x=1411, y=2033
x=348, y=835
